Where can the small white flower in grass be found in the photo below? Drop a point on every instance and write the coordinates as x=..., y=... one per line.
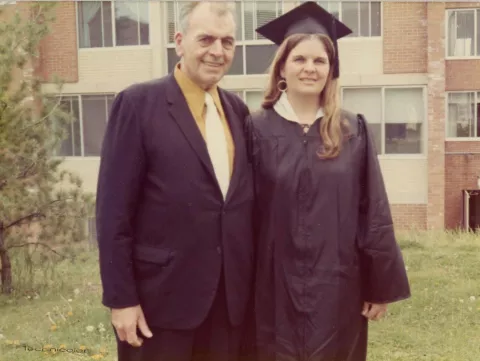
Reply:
x=76, y=291
x=101, y=329
x=90, y=328
x=100, y=325
x=406, y=267
x=70, y=300
x=50, y=318
x=472, y=298
x=461, y=300
x=1, y=336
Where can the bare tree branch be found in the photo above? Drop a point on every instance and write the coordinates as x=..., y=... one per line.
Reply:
x=23, y=219
x=25, y=174
x=35, y=244
x=32, y=215
x=52, y=111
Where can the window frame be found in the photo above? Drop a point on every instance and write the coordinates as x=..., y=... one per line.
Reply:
x=114, y=33
x=424, y=136
x=242, y=93
x=476, y=98
x=79, y=97
x=356, y=38
x=476, y=42
x=239, y=43
x=91, y=230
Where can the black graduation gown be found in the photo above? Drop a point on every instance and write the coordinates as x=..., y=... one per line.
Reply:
x=325, y=240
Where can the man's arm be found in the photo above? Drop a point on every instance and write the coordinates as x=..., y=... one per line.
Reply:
x=121, y=174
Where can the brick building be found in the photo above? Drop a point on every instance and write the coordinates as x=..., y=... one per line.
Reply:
x=413, y=68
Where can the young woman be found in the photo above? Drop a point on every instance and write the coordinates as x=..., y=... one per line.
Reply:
x=327, y=257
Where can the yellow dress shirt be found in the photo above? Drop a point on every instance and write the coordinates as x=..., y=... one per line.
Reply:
x=195, y=97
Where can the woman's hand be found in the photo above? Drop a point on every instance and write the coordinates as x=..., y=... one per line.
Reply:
x=374, y=311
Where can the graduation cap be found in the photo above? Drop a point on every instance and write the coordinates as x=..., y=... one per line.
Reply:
x=308, y=18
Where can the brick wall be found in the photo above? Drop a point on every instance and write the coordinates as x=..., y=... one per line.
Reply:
x=58, y=51
x=409, y=216
x=462, y=172
x=463, y=75
x=436, y=115
x=404, y=37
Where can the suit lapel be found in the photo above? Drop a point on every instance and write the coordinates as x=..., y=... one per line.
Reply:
x=179, y=111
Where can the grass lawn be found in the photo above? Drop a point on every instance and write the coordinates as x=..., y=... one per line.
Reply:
x=440, y=322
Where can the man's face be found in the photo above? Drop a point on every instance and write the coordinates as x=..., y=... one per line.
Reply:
x=208, y=46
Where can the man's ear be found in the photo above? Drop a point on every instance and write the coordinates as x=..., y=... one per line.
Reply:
x=178, y=44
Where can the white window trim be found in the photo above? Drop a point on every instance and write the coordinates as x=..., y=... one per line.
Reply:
x=80, y=121
x=91, y=230
x=114, y=33
x=476, y=24
x=244, y=43
x=362, y=38
x=382, y=154
x=244, y=91
x=459, y=139
x=238, y=43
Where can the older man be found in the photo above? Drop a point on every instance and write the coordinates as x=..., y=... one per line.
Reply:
x=174, y=204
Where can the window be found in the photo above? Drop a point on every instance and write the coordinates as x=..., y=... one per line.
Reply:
x=92, y=231
x=253, y=98
x=463, y=34
x=363, y=17
x=85, y=134
x=396, y=116
x=367, y=101
x=404, y=118
x=104, y=24
x=463, y=115
x=253, y=53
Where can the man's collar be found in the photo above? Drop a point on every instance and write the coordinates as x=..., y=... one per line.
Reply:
x=187, y=83
x=194, y=94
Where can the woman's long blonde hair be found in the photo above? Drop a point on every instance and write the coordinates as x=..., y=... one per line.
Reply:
x=332, y=127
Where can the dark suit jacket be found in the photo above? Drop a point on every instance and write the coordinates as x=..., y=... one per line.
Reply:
x=164, y=230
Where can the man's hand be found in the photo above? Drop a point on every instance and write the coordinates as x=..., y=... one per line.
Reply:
x=126, y=321
x=374, y=311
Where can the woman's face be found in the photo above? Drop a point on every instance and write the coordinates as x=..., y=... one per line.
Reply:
x=306, y=68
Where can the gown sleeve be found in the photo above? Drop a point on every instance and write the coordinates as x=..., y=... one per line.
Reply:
x=248, y=342
x=250, y=138
x=383, y=269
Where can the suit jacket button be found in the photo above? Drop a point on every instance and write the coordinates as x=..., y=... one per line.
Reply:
x=219, y=250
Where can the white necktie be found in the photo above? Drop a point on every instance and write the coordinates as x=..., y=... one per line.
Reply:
x=217, y=144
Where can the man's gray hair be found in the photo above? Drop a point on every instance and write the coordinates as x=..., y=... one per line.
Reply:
x=219, y=7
